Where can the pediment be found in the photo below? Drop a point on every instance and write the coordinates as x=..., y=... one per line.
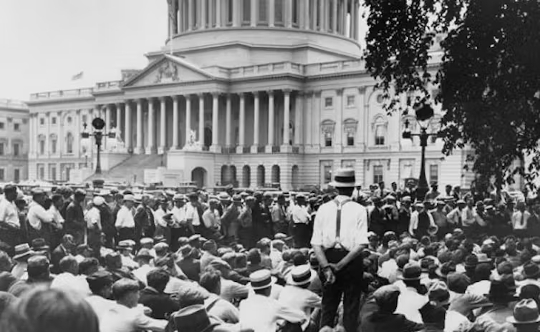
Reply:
x=168, y=69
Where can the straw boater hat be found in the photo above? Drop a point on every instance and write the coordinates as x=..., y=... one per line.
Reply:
x=344, y=178
x=22, y=251
x=300, y=275
x=261, y=279
x=411, y=271
x=525, y=312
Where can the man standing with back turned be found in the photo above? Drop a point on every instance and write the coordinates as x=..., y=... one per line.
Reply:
x=339, y=236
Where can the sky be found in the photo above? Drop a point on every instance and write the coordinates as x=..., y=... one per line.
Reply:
x=44, y=43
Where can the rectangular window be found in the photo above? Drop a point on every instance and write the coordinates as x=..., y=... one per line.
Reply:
x=53, y=146
x=2, y=174
x=434, y=173
x=229, y=12
x=16, y=149
x=328, y=141
x=328, y=102
x=377, y=174
x=16, y=175
x=350, y=140
x=41, y=171
x=17, y=126
x=53, y=173
x=327, y=174
x=379, y=135
x=42, y=147
x=2, y=152
x=84, y=118
x=42, y=121
x=295, y=12
x=350, y=101
x=2, y=125
x=263, y=11
x=278, y=12
x=53, y=120
x=246, y=14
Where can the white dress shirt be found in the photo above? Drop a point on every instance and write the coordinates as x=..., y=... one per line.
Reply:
x=179, y=216
x=70, y=282
x=193, y=214
x=57, y=217
x=8, y=213
x=261, y=314
x=413, y=225
x=300, y=299
x=354, y=225
x=38, y=215
x=158, y=217
x=93, y=218
x=409, y=304
x=520, y=219
x=124, y=218
x=300, y=214
x=211, y=219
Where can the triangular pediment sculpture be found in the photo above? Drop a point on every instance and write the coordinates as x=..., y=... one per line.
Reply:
x=169, y=69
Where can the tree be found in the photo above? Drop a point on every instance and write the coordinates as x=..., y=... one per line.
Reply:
x=488, y=78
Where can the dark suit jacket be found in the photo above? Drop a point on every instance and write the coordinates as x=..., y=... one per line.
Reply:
x=161, y=304
x=56, y=256
x=374, y=321
x=191, y=268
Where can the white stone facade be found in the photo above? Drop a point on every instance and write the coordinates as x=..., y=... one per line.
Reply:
x=279, y=95
x=14, y=133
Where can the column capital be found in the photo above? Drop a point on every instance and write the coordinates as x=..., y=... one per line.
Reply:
x=255, y=93
x=287, y=91
x=150, y=99
x=76, y=112
x=215, y=94
x=59, y=113
x=317, y=93
x=241, y=94
x=270, y=92
x=176, y=97
x=163, y=98
x=118, y=104
x=308, y=93
x=200, y=94
x=300, y=93
x=339, y=91
x=362, y=89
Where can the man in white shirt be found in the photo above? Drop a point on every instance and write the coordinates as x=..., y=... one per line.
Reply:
x=162, y=223
x=520, y=219
x=10, y=226
x=214, y=304
x=39, y=219
x=212, y=220
x=301, y=216
x=192, y=214
x=179, y=225
x=261, y=313
x=93, y=224
x=125, y=224
x=339, y=236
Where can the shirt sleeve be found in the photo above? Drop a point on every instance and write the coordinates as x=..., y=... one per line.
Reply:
x=120, y=218
x=317, y=237
x=3, y=211
x=363, y=228
x=207, y=219
x=290, y=315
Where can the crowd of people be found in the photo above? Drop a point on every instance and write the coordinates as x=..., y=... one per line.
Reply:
x=346, y=260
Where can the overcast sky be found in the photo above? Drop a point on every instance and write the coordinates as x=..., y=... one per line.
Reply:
x=44, y=43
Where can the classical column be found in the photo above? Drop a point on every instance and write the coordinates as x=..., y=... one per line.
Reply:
x=108, y=111
x=175, y=123
x=256, y=122
x=236, y=13
x=271, y=12
x=270, y=122
x=315, y=118
x=179, y=15
x=254, y=13
x=334, y=15
x=288, y=13
x=242, y=124
x=314, y=15
x=188, y=118
x=342, y=16
x=162, y=125
x=298, y=117
x=338, y=130
x=286, y=146
x=139, y=147
x=202, y=4
x=60, y=133
x=190, y=13
x=228, y=125
x=201, y=118
x=307, y=14
x=356, y=18
x=308, y=107
x=215, y=123
x=127, y=126
x=32, y=134
x=151, y=127
x=118, y=116
x=218, y=14
x=76, y=137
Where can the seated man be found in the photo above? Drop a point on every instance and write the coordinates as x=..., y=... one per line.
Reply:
x=154, y=298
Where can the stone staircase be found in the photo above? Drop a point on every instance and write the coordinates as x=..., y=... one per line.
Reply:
x=132, y=169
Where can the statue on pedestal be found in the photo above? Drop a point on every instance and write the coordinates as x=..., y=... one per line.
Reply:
x=192, y=144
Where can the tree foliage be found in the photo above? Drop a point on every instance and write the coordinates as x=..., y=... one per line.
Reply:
x=488, y=79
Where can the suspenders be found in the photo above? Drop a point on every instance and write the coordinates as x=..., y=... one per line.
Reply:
x=338, y=222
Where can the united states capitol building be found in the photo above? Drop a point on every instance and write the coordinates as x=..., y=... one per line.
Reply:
x=248, y=92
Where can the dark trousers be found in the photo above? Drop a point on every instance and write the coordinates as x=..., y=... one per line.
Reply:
x=302, y=235
x=348, y=285
x=126, y=234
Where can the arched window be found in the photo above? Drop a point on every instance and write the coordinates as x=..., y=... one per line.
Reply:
x=41, y=140
x=379, y=126
x=54, y=141
x=260, y=176
x=350, y=126
x=276, y=175
x=246, y=176
x=327, y=127
x=69, y=143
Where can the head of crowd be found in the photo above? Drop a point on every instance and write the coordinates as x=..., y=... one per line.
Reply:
x=125, y=260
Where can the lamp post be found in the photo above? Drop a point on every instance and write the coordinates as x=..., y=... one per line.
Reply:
x=98, y=134
x=424, y=113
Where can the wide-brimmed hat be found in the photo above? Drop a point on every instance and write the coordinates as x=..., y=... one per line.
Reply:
x=439, y=292
x=40, y=244
x=471, y=261
x=344, y=178
x=193, y=319
x=126, y=244
x=187, y=251
x=144, y=253
x=411, y=271
x=531, y=270
x=261, y=279
x=129, y=198
x=525, y=312
x=223, y=196
x=23, y=250
x=432, y=230
x=300, y=275
x=446, y=269
x=483, y=258
x=98, y=201
x=146, y=240
x=179, y=197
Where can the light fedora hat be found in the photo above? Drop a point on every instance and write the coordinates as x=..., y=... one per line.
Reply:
x=344, y=178
x=525, y=312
